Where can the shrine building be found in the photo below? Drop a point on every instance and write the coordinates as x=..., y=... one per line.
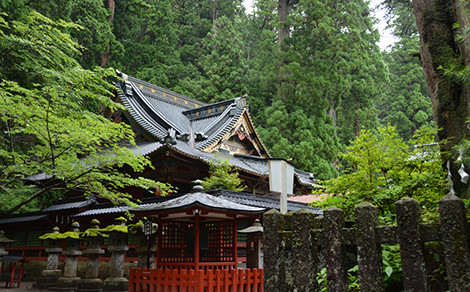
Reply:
x=181, y=136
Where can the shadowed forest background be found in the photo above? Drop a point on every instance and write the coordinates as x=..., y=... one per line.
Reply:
x=320, y=90
x=309, y=98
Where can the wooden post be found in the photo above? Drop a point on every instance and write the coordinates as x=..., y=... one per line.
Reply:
x=235, y=242
x=369, y=251
x=334, y=250
x=455, y=241
x=196, y=241
x=411, y=247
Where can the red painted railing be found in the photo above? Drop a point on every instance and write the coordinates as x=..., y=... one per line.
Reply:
x=200, y=266
x=144, y=280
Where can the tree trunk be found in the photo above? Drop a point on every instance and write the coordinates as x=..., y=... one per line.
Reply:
x=435, y=20
x=105, y=57
x=214, y=17
x=283, y=32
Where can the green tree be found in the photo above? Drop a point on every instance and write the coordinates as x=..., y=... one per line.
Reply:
x=382, y=169
x=337, y=43
x=221, y=64
x=53, y=136
x=149, y=35
x=406, y=103
x=444, y=47
x=222, y=175
x=96, y=37
x=331, y=73
x=259, y=43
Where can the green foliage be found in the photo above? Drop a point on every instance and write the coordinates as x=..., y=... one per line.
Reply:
x=96, y=37
x=382, y=169
x=305, y=138
x=391, y=261
x=51, y=121
x=353, y=279
x=334, y=44
x=222, y=175
x=405, y=104
x=221, y=64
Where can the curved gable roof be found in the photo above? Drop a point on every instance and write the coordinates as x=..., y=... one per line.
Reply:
x=161, y=113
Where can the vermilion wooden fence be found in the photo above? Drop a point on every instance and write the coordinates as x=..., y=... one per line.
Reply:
x=144, y=280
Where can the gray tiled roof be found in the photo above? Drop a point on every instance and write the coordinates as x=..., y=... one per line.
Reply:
x=262, y=201
x=156, y=110
x=26, y=218
x=102, y=211
x=157, y=113
x=73, y=203
x=218, y=199
x=252, y=164
x=201, y=199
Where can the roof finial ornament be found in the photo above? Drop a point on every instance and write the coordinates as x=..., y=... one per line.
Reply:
x=198, y=186
x=170, y=137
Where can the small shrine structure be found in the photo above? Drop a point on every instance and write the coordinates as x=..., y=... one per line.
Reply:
x=196, y=241
x=197, y=231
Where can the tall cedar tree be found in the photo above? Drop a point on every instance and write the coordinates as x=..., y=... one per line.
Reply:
x=444, y=50
x=406, y=103
x=221, y=64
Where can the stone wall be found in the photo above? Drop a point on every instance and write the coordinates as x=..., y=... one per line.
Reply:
x=298, y=245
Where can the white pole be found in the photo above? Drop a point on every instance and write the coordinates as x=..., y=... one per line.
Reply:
x=284, y=188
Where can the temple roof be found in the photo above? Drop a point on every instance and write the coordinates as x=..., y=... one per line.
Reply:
x=239, y=198
x=161, y=113
x=70, y=203
x=247, y=163
x=224, y=200
x=196, y=129
x=24, y=218
x=199, y=199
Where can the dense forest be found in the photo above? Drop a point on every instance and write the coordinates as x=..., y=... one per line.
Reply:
x=315, y=80
x=312, y=71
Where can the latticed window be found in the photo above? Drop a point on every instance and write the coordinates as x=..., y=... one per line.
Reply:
x=220, y=242
x=215, y=242
x=177, y=242
x=18, y=238
x=242, y=224
x=32, y=239
x=134, y=239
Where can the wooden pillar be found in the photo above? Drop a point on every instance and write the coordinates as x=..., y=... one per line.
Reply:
x=159, y=243
x=235, y=242
x=196, y=240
